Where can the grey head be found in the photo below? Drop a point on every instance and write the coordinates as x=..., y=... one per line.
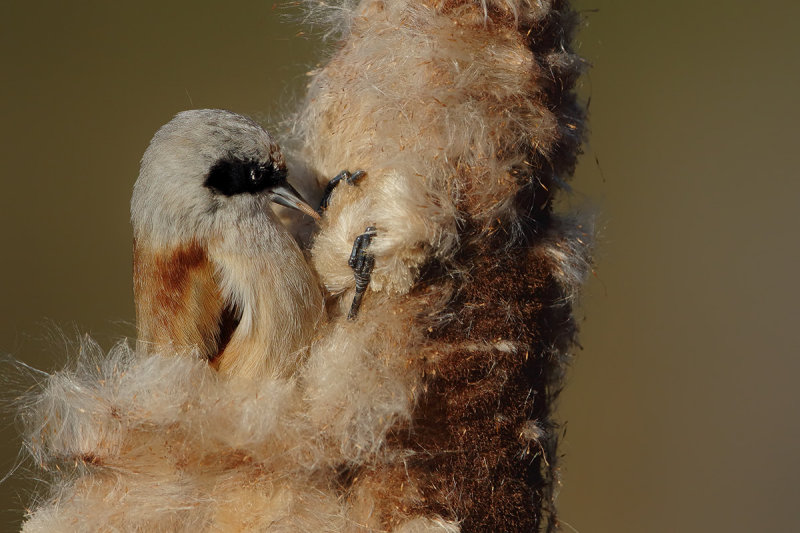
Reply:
x=204, y=170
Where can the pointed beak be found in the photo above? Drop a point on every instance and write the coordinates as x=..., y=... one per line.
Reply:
x=286, y=195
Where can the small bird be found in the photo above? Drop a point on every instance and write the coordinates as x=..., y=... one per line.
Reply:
x=214, y=270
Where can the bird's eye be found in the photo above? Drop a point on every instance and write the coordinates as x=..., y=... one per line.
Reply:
x=255, y=174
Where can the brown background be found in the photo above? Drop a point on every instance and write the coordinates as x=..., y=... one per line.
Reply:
x=681, y=409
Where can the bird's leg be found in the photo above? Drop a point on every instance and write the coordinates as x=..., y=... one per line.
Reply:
x=362, y=263
x=345, y=175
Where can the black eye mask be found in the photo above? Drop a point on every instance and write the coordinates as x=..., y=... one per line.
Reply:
x=231, y=176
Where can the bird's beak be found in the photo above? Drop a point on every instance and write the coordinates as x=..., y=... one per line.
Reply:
x=286, y=195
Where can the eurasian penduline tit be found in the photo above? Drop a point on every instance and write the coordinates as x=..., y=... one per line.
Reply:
x=214, y=270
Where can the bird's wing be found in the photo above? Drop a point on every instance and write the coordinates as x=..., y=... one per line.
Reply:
x=178, y=300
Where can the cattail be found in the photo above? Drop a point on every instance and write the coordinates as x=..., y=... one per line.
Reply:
x=464, y=116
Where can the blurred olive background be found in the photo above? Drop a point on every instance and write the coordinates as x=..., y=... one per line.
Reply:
x=681, y=409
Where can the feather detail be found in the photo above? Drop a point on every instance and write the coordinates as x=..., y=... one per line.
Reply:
x=277, y=297
x=178, y=300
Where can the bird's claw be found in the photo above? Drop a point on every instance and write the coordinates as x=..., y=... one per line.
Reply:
x=362, y=264
x=345, y=175
x=360, y=261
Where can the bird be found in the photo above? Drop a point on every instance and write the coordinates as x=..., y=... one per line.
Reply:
x=215, y=272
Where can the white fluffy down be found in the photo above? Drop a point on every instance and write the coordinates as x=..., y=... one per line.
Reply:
x=148, y=442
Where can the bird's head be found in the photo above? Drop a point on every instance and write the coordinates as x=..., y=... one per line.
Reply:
x=205, y=170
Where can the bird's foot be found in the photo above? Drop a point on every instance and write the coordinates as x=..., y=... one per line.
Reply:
x=345, y=175
x=362, y=264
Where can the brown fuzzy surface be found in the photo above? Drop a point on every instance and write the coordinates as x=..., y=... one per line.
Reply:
x=464, y=456
x=477, y=401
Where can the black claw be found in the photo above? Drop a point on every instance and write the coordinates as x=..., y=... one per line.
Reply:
x=362, y=264
x=355, y=176
x=345, y=175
